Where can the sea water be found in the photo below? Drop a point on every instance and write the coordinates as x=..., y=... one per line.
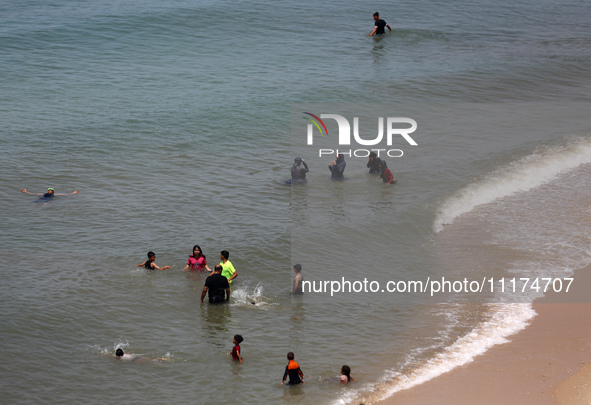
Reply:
x=178, y=122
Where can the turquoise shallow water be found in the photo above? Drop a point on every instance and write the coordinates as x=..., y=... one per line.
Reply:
x=178, y=122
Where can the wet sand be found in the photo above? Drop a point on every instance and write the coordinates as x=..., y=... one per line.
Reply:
x=549, y=362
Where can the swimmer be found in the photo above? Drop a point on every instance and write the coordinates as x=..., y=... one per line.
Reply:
x=346, y=375
x=150, y=263
x=298, y=173
x=379, y=25
x=120, y=355
x=337, y=167
x=46, y=197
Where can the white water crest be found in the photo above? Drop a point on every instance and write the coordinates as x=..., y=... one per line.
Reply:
x=505, y=320
x=524, y=174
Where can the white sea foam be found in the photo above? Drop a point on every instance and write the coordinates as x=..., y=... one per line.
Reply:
x=505, y=320
x=246, y=297
x=524, y=174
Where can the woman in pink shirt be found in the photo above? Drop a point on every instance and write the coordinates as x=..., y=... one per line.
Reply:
x=197, y=260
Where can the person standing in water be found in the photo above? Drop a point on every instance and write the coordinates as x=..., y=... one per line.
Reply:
x=297, y=282
x=217, y=287
x=150, y=264
x=228, y=268
x=298, y=173
x=385, y=173
x=373, y=163
x=293, y=371
x=379, y=25
x=197, y=260
x=337, y=167
x=235, y=353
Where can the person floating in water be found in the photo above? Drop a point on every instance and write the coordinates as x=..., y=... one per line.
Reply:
x=373, y=163
x=120, y=355
x=197, y=260
x=217, y=287
x=293, y=371
x=379, y=25
x=297, y=282
x=235, y=353
x=150, y=264
x=298, y=173
x=46, y=197
x=385, y=173
x=337, y=167
x=346, y=375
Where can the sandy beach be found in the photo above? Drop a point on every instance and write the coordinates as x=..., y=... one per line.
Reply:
x=549, y=362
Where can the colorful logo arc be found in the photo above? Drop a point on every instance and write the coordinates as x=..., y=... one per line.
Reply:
x=316, y=123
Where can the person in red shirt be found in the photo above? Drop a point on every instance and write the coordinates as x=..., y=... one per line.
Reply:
x=293, y=371
x=385, y=173
x=236, y=349
x=197, y=260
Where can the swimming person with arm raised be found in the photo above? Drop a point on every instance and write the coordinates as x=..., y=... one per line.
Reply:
x=337, y=167
x=298, y=173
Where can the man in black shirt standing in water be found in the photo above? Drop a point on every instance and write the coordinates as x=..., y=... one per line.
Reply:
x=217, y=286
x=380, y=24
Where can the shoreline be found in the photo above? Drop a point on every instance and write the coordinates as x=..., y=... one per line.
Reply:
x=548, y=362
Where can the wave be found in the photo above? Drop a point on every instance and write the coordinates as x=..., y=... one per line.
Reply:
x=505, y=320
x=531, y=171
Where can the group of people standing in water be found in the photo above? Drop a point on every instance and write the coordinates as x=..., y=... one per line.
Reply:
x=337, y=169
x=217, y=285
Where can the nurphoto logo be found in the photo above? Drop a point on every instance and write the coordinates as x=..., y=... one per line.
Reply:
x=395, y=126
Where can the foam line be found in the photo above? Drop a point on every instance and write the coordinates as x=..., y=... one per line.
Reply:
x=524, y=174
x=505, y=320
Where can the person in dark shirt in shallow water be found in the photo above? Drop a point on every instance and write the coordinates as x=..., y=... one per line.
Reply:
x=215, y=286
x=298, y=173
x=293, y=371
x=297, y=282
x=373, y=163
x=150, y=264
x=337, y=167
x=379, y=25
